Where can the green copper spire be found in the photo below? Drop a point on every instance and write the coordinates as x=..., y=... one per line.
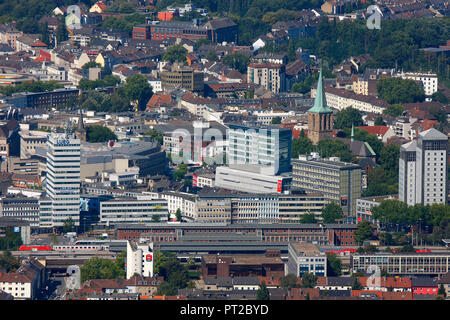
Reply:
x=320, y=103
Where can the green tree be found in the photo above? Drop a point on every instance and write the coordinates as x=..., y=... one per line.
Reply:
x=309, y=280
x=441, y=290
x=276, y=120
x=334, y=265
x=212, y=56
x=439, y=96
x=8, y=262
x=175, y=274
x=91, y=64
x=181, y=172
x=137, y=89
x=379, y=122
x=69, y=225
x=308, y=218
x=348, y=117
x=11, y=240
x=363, y=232
x=237, y=61
x=175, y=53
x=178, y=214
x=394, y=110
x=156, y=218
x=263, y=293
x=155, y=136
x=302, y=145
x=99, y=134
x=334, y=148
x=288, y=281
x=398, y=90
x=98, y=268
x=332, y=212
x=357, y=285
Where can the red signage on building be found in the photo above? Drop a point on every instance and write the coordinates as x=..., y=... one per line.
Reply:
x=149, y=258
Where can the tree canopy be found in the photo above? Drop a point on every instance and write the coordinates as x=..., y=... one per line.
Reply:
x=398, y=90
x=137, y=89
x=99, y=134
x=175, y=53
x=331, y=213
x=175, y=274
x=98, y=268
x=348, y=117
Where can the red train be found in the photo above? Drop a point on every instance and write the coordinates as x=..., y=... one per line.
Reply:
x=35, y=248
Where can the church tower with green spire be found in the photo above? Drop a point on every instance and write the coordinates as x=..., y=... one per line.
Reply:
x=320, y=116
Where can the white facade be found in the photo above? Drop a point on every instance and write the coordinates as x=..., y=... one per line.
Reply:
x=266, y=117
x=139, y=259
x=431, y=167
x=63, y=178
x=423, y=169
x=183, y=201
x=341, y=102
x=407, y=173
x=429, y=80
x=132, y=210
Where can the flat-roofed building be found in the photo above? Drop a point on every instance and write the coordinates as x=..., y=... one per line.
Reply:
x=403, y=263
x=306, y=258
x=182, y=77
x=132, y=210
x=338, y=181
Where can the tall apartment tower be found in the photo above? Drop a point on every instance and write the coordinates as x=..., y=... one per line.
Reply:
x=63, y=178
x=423, y=169
x=431, y=167
x=320, y=116
x=407, y=173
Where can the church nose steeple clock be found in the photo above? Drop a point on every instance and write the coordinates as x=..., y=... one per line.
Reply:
x=320, y=116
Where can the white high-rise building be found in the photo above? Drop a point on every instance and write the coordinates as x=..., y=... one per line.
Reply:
x=139, y=259
x=407, y=173
x=63, y=178
x=423, y=169
x=431, y=167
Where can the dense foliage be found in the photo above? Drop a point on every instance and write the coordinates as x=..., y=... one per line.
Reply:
x=98, y=268
x=175, y=53
x=35, y=86
x=11, y=241
x=107, y=81
x=347, y=118
x=331, y=213
x=397, y=90
x=175, y=274
x=99, y=134
x=8, y=262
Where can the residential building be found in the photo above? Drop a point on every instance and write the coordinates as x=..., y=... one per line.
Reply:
x=429, y=80
x=306, y=258
x=338, y=181
x=270, y=76
x=26, y=282
x=407, y=173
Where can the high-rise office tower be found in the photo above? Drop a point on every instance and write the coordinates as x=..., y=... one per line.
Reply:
x=63, y=178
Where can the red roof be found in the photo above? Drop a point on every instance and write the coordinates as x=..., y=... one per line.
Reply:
x=376, y=130
x=38, y=43
x=157, y=100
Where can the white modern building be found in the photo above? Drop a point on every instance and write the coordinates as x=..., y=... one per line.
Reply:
x=306, y=258
x=407, y=173
x=139, y=259
x=423, y=169
x=431, y=167
x=142, y=209
x=63, y=178
x=429, y=80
